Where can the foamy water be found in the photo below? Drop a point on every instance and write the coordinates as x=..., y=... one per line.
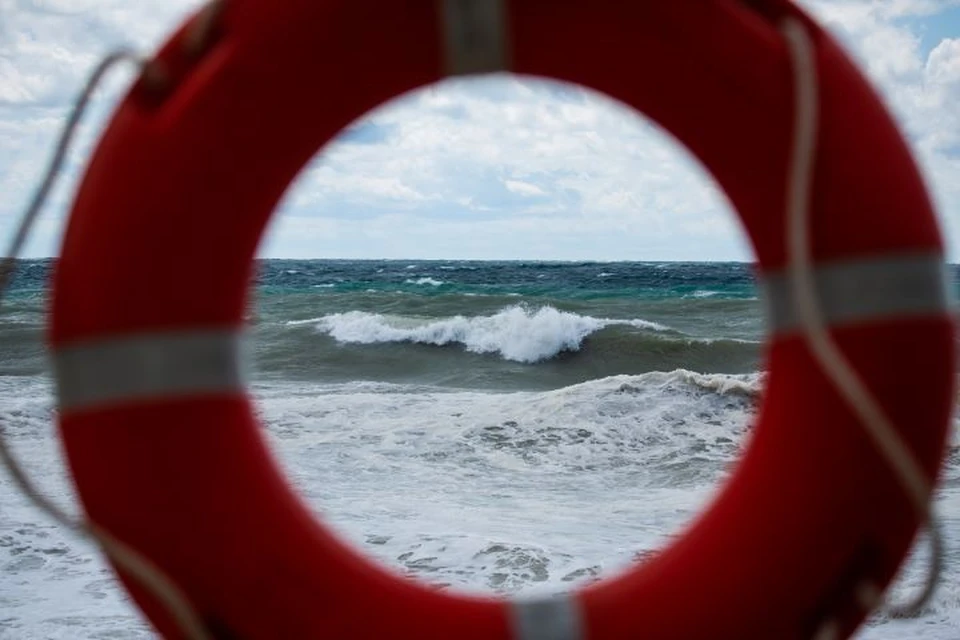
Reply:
x=478, y=491
x=517, y=333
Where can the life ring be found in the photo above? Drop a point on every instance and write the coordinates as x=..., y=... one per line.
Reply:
x=161, y=437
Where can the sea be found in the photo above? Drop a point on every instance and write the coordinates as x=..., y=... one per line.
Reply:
x=497, y=427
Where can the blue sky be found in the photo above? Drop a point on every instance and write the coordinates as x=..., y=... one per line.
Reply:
x=498, y=167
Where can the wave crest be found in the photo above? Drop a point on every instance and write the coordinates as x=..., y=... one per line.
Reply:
x=433, y=282
x=516, y=333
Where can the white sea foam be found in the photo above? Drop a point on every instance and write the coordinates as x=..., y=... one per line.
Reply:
x=424, y=281
x=514, y=493
x=517, y=332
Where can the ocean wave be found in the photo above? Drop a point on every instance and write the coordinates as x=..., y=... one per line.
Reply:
x=517, y=333
x=424, y=281
x=748, y=385
x=663, y=424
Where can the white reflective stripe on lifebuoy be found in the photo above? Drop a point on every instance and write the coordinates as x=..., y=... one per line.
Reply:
x=147, y=366
x=474, y=36
x=554, y=618
x=887, y=287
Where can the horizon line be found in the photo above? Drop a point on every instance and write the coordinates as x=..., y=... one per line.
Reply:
x=570, y=260
x=544, y=260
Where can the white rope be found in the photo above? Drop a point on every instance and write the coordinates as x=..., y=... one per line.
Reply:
x=824, y=349
x=139, y=567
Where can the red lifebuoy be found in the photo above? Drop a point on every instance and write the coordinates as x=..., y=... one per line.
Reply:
x=163, y=444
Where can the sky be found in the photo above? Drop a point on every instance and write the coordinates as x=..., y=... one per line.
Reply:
x=499, y=167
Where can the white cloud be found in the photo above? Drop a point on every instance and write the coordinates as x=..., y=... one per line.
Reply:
x=943, y=65
x=523, y=188
x=500, y=167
